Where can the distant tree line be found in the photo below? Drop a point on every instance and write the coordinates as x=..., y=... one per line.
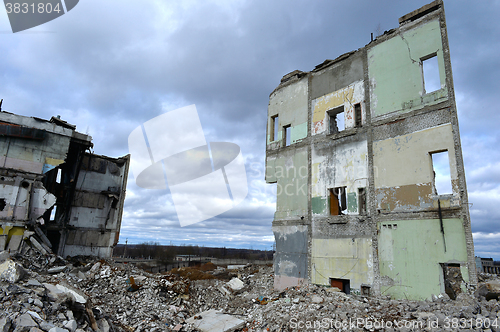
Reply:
x=167, y=253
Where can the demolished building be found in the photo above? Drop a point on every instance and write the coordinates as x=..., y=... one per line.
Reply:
x=54, y=192
x=365, y=150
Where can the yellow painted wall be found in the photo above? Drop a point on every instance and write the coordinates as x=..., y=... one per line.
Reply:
x=347, y=258
x=347, y=97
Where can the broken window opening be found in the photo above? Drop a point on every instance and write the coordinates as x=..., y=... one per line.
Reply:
x=338, y=201
x=357, y=115
x=336, y=120
x=365, y=290
x=343, y=284
x=362, y=201
x=287, y=131
x=274, y=128
x=441, y=173
x=53, y=214
x=59, y=175
x=452, y=276
x=2, y=204
x=430, y=74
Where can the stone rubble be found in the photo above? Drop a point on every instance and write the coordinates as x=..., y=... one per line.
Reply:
x=88, y=294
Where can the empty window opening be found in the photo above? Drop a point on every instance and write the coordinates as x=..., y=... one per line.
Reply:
x=365, y=290
x=336, y=120
x=343, y=284
x=53, y=214
x=430, y=73
x=338, y=201
x=2, y=204
x=357, y=115
x=362, y=201
x=453, y=280
x=287, y=130
x=59, y=175
x=441, y=173
x=274, y=128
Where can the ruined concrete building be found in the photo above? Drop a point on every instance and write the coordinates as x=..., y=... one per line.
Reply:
x=365, y=150
x=54, y=193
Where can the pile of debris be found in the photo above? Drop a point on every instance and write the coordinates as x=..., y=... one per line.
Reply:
x=47, y=293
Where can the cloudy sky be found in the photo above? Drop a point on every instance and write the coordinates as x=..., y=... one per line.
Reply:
x=109, y=66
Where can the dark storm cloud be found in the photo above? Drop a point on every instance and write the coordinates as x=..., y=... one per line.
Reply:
x=110, y=66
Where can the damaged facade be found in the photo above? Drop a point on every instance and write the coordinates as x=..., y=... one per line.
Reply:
x=53, y=191
x=365, y=150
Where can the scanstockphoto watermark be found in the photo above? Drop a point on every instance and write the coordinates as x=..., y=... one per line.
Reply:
x=369, y=323
x=205, y=178
x=291, y=180
x=26, y=14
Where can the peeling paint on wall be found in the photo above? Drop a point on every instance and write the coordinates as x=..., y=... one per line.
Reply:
x=395, y=70
x=384, y=205
x=347, y=97
x=410, y=254
x=346, y=258
x=51, y=186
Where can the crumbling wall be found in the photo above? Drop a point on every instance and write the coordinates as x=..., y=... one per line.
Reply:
x=405, y=180
x=44, y=189
x=395, y=69
x=411, y=253
x=387, y=200
x=97, y=206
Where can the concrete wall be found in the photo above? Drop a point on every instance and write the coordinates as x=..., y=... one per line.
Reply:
x=97, y=206
x=338, y=166
x=410, y=254
x=396, y=246
x=347, y=97
x=290, y=171
x=405, y=179
x=40, y=173
x=342, y=258
x=290, y=258
x=395, y=69
x=290, y=103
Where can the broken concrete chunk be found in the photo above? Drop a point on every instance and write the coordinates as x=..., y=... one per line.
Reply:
x=70, y=325
x=489, y=290
x=215, y=321
x=60, y=293
x=5, y=324
x=11, y=271
x=34, y=282
x=46, y=326
x=35, y=329
x=56, y=269
x=103, y=325
x=14, y=243
x=236, y=284
x=316, y=299
x=34, y=315
x=4, y=255
x=58, y=329
x=25, y=320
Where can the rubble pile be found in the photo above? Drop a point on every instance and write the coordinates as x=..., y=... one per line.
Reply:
x=48, y=293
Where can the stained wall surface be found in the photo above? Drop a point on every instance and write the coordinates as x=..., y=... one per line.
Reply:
x=372, y=217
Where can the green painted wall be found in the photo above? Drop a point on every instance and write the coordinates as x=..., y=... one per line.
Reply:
x=292, y=175
x=318, y=205
x=299, y=132
x=352, y=203
x=395, y=73
x=410, y=253
x=290, y=104
x=344, y=258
